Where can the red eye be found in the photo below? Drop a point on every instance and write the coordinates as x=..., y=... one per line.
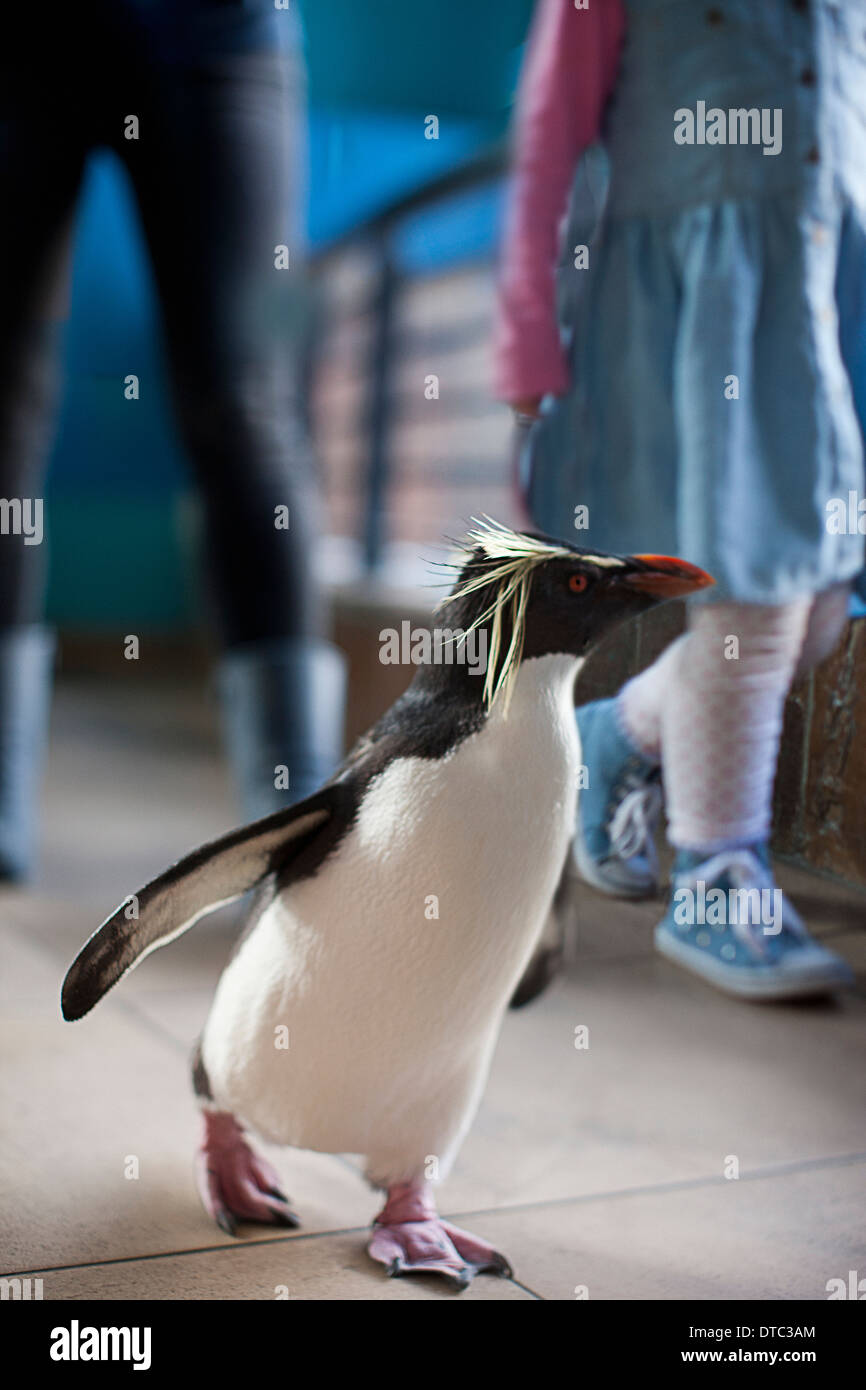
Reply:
x=577, y=583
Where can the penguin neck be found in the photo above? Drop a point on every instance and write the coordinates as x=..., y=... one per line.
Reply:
x=544, y=683
x=546, y=677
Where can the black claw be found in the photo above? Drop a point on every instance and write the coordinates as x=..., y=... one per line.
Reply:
x=226, y=1222
x=280, y=1196
x=287, y=1218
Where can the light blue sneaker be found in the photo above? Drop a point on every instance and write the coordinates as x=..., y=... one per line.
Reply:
x=728, y=923
x=617, y=813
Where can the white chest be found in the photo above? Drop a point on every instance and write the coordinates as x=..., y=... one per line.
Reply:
x=448, y=872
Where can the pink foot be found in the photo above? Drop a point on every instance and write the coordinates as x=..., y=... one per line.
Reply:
x=409, y=1237
x=234, y=1183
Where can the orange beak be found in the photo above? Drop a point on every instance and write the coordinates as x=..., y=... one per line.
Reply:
x=666, y=576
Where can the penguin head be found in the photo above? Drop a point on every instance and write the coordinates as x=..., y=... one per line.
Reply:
x=575, y=600
x=538, y=596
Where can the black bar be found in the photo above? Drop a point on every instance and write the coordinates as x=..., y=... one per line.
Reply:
x=259, y=1338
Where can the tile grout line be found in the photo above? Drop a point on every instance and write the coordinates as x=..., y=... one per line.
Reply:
x=794, y=1166
x=539, y=1297
x=139, y=1016
x=247, y=1244
x=216, y=1249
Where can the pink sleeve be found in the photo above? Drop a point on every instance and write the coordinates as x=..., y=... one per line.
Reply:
x=568, y=73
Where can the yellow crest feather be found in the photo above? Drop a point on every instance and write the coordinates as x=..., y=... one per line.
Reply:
x=515, y=556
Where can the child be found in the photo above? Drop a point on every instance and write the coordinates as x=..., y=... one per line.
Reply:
x=712, y=411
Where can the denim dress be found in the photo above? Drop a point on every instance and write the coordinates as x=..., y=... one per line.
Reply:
x=718, y=331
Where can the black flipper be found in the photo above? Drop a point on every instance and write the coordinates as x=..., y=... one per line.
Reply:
x=202, y=881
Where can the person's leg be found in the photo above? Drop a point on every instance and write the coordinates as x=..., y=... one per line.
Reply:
x=211, y=171
x=828, y=618
x=642, y=699
x=622, y=737
x=618, y=806
x=41, y=160
x=720, y=724
x=721, y=721
x=699, y=683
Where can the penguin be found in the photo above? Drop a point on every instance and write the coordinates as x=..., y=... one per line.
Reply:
x=397, y=907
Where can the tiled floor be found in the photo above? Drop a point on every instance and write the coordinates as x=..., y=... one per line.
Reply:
x=600, y=1170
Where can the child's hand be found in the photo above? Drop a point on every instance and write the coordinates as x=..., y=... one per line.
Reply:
x=526, y=410
x=529, y=407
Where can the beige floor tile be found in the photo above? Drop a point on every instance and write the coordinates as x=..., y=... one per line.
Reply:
x=675, y=1077
x=321, y=1268
x=779, y=1237
x=134, y=780
x=28, y=973
x=602, y=928
x=61, y=927
x=78, y=1100
x=826, y=907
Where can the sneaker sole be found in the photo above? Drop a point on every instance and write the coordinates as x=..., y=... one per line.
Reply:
x=732, y=980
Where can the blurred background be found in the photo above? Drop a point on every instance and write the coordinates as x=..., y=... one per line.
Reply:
x=402, y=235
x=401, y=216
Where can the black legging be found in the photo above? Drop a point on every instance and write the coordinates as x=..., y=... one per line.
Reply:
x=211, y=171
